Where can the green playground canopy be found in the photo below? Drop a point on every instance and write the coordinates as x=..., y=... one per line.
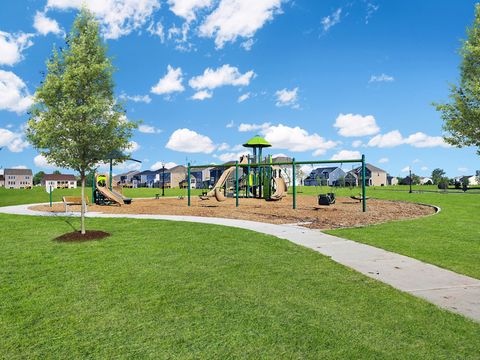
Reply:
x=257, y=142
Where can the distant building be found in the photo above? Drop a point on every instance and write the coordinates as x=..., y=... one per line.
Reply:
x=126, y=179
x=2, y=181
x=168, y=178
x=472, y=179
x=392, y=180
x=201, y=177
x=330, y=176
x=18, y=178
x=59, y=181
x=374, y=176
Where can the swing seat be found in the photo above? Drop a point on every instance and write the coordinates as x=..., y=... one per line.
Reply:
x=326, y=199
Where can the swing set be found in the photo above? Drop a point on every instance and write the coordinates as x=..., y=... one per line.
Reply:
x=258, y=179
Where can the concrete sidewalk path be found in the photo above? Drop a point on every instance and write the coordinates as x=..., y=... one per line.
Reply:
x=444, y=288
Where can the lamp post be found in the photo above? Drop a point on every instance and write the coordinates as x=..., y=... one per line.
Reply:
x=163, y=179
x=410, y=180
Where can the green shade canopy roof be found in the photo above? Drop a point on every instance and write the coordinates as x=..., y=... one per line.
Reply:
x=116, y=154
x=257, y=142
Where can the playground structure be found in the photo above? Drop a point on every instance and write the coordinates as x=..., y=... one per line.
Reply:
x=262, y=179
x=103, y=191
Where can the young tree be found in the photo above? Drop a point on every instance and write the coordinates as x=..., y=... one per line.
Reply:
x=37, y=178
x=437, y=175
x=461, y=115
x=75, y=121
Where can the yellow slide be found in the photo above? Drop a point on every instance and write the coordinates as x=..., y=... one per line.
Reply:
x=225, y=175
x=110, y=195
x=280, y=189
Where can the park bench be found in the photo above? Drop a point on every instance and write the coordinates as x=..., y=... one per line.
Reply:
x=74, y=200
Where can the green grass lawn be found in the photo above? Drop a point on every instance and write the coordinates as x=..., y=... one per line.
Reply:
x=39, y=195
x=450, y=239
x=180, y=290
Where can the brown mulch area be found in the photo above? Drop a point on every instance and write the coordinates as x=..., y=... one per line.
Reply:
x=345, y=213
x=76, y=236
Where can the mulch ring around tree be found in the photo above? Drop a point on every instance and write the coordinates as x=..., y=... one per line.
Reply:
x=76, y=236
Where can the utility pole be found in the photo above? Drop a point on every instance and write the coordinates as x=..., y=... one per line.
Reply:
x=410, y=181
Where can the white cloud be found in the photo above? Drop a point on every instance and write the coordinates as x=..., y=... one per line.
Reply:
x=424, y=168
x=331, y=20
x=248, y=44
x=383, y=160
x=350, y=125
x=12, y=46
x=45, y=25
x=12, y=141
x=118, y=17
x=390, y=139
x=189, y=141
x=371, y=9
x=416, y=161
x=381, y=78
x=462, y=169
x=223, y=147
x=14, y=94
x=346, y=155
x=296, y=139
x=230, y=125
x=170, y=83
x=418, y=140
x=157, y=30
x=158, y=165
x=253, y=127
x=187, y=8
x=238, y=18
x=274, y=156
x=287, y=98
x=222, y=76
x=421, y=140
x=357, y=143
x=41, y=162
x=136, y=98
x=133, y=146
x=202, y=95
x=406, y=169
x=243, y=97
x=148, y=129
x=19, y=167
x=231, y=156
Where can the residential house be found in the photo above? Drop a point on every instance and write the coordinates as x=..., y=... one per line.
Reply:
x=330, y=176
x=374, y=175
x=18, y=178
x=201, y=176
x=59, y=181
x=286, y=171
x=472, y=179
x=126, y=179
x=172, y=177
x=145, y=178
x=2, y=181
x=392, y=180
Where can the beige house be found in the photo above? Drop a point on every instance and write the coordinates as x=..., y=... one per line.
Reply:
x=59, y=181
x=18, y=178
x=374, y=175
x=177, y=174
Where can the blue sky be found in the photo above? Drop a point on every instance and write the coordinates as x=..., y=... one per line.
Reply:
x=318, y=79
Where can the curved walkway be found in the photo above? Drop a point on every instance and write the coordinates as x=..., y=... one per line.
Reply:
x=444, y=288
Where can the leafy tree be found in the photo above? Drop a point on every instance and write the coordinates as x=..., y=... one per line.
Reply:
x=75, y=121
x=37, y=178
x=57, y=172
x=461, y=115
x=443, y=183
x=437, y=175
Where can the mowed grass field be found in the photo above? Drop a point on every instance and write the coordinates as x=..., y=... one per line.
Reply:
x=159, y=289
x=450, y=239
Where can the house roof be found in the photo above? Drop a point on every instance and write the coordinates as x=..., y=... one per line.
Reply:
x=257, y=142
x=178, y=168
x=17, y=172
x=369, y=167
x=282, y=159
x=59, y=177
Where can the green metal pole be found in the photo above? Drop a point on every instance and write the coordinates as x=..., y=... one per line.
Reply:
x=236, y=183
x=93, y=187
x=294, y=184
x=188, y=182
x=111, y=172
x=247, y=195
x=364, y=195
x=50, y=195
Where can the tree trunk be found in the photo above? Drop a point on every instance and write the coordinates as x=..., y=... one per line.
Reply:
x=82, y=213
